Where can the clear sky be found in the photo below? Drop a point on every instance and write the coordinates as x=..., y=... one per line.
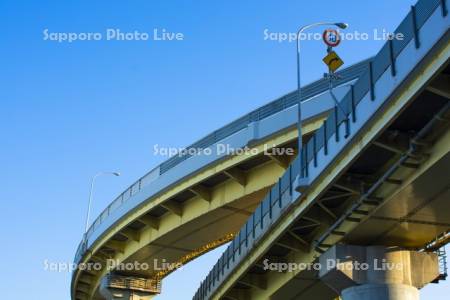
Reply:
x=69, y=110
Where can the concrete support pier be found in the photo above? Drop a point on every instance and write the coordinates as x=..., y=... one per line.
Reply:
x=381, y=291
x=377, y=272
x=117, y=287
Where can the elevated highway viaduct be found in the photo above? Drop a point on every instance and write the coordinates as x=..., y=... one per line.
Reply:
x=371, y=185
x=191, y=204
x=371, y=175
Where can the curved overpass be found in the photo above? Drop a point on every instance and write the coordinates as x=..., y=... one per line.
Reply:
x=377, y=183
x=190, y=204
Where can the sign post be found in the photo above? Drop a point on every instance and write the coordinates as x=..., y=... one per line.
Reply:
x=332, y=38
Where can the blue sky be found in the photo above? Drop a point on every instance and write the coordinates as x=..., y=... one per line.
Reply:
x=69, y=110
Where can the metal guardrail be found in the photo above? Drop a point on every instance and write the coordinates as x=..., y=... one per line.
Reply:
x=269, y=109
x=265, y=111
x=281, y=195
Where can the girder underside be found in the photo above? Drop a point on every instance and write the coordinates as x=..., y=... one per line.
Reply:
x=409, y=209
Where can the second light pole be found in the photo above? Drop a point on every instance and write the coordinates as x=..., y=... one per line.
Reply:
x=91, y=191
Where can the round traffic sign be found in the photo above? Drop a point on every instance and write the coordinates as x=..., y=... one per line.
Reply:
x=331, y=37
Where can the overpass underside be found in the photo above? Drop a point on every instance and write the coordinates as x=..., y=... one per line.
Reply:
x=194, y=215
x=408, y=206
x=198, y=216
x=388, y=186
x=401, y=182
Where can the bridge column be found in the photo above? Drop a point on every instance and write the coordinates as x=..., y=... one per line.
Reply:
x=117, y=287
x=377, y=272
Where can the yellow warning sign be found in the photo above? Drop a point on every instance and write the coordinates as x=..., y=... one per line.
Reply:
x=333, y=61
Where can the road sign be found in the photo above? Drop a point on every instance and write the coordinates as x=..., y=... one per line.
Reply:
x=333, y=61
x=331, y=37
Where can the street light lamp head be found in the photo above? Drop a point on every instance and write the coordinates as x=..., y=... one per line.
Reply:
x=342, y=25
x=116, y=173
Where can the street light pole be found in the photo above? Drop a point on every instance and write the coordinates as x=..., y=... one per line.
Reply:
x=91, y=191
x=303, y=182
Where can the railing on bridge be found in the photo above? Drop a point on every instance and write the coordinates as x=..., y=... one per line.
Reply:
x=282, y=194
